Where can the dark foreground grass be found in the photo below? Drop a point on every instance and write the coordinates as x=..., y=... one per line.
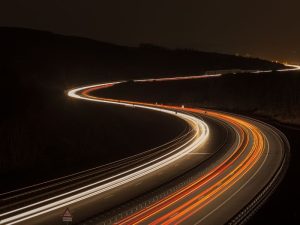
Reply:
x=66, y=135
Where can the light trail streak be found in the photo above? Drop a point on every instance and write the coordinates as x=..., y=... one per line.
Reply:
x=247, y=164
x=197, y=203
x=204, y=76
x=215, y=190
x=93, y=171
x=220, y=178
x=172, y=216
x=200, y=137
x=294, y=68
x=180, y=78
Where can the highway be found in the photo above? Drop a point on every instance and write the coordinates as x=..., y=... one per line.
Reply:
x=221, y=169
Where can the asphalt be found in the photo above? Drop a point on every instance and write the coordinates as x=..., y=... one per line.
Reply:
x=207, y=175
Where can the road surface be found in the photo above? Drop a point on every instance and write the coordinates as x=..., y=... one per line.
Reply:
x=221, y=169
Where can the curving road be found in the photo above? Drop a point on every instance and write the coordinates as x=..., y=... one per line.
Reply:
x=219, y=170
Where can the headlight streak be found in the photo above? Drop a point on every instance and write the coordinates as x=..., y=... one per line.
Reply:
x=179, y=214
x=204, y=76
x=216, y=189
x=202, y=199
x=174, y=217
x=200, y=137
x=109, y=166
x=294, y=68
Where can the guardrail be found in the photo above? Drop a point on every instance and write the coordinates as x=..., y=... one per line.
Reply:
x=248, y=211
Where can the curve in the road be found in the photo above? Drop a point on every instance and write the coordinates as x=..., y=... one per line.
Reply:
x=235, y=179
x=184, y=204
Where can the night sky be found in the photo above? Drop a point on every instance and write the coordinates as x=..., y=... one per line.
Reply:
x=264, y=28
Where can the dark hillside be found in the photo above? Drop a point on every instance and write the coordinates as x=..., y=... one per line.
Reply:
x=67, y=61
x=270, y=97
x=275, y=95
x=46, y=134
x=66, y=135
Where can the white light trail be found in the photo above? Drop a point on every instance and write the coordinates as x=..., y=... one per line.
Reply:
x=88, y=191
x=294, y=68
x=200, y=137
x=204, y=76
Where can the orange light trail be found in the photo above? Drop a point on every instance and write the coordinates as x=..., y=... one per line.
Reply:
x=202, y=199
x=202, y=193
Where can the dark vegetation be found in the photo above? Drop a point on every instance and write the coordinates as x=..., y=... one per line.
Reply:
x=275, y=95
x=45, y=134
x=58, y=136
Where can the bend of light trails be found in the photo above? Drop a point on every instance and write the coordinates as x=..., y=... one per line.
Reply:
x=163, y=211
x=195, y=202
x=218, y=186
x=247, y=159
x=169, y=155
